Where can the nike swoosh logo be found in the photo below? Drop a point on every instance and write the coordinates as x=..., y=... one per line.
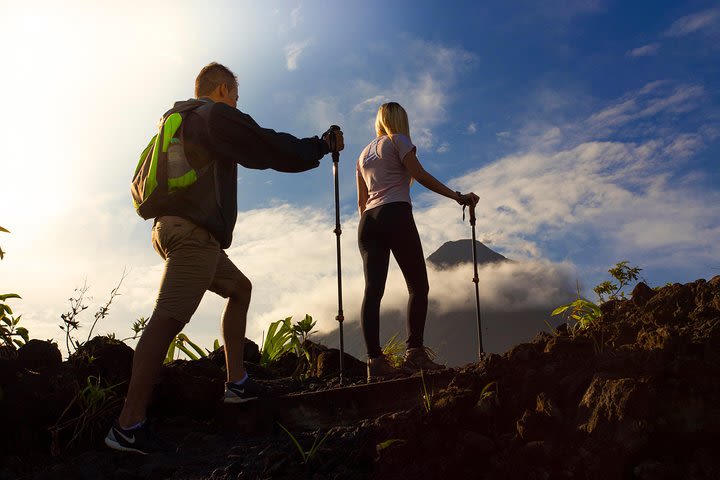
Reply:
x=130, y=440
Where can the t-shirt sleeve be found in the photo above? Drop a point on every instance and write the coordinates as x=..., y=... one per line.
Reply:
x=404, y=145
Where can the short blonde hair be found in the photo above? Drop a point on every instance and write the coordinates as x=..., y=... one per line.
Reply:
x=212, y=76
x=392, y=119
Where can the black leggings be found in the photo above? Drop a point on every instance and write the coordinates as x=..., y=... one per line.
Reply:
x=383, y=229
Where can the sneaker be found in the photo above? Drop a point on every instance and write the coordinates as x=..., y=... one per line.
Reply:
x=249, y=390
x=380, y=368
x=140, y=440
x=420, y=358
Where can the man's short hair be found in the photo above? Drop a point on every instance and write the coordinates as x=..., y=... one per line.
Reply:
x=212, y=76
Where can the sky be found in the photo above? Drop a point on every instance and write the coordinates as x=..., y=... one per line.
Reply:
x=590, y=130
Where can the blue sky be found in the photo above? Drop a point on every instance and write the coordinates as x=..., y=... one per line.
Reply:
x=590, y=130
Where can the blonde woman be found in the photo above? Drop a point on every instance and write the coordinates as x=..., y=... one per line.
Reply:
x=385, y=170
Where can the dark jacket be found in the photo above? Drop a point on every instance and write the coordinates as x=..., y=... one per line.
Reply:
x=217, y=138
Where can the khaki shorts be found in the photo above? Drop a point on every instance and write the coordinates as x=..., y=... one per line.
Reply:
x=194, y=263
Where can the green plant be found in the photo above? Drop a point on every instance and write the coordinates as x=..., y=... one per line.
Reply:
x=426, y=397
x=394, y=351
x=10, y=334
x=304, y=328
x=309, y=454
x=137, y=328
x=487, y=392
x=388, y=443
x=301, y=331
x=94, y=402
x=624, y=275
x=182, y=344
x=280, y=339
x=586, y=313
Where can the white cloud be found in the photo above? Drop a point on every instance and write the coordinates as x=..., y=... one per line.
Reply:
x=296, y=16
x=293, y=52
x=443, y=148
x=693, y=23
x=426, y=94
x=472, y=128
x=653, y=99
x=644, y=51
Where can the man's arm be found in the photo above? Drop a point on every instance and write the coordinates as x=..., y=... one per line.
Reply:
x=238, y=137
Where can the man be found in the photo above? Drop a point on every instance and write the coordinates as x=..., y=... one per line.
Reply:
x=191, y=232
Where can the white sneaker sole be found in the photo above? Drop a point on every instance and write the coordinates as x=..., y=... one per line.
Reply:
x=236, y=399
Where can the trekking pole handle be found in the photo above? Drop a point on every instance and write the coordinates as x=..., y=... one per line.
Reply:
x=472, y=214
x=329, y=136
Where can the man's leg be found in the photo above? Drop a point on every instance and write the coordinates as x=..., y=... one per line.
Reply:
x=147, y=361
x=231, y=283
x=234, y=321
x=190, y=255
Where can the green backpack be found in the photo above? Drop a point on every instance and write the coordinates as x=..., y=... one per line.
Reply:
x=163, y=169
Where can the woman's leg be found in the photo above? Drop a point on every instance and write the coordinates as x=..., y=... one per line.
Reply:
x=376, y=257
x=408, y=253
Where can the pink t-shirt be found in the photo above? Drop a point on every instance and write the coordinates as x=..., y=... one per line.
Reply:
x=381, y=166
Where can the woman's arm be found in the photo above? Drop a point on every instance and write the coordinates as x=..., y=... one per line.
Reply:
x=431, y=183
x=362, y=193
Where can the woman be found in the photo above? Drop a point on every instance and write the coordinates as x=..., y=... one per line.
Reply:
x=385, y=170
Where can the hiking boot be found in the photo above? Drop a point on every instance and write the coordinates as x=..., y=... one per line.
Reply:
x=249, y=390
x=420, y=358
x=380, y=368
x=140, y=440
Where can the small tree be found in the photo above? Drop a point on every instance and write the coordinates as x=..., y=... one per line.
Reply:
x=625, y=275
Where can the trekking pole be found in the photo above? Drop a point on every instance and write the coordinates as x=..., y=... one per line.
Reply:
x=476, y=279
x=338, y=231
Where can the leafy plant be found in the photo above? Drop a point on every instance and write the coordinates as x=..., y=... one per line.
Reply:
x=304, y=328
x=586, y=313
x=94, y=402
x=624, y=275
x=182, y=342
x=10, y=334
x=394, y=351
x=9, y=330
x=280, y=339
x=137, y=328
x=309, y=454
x=301, y=331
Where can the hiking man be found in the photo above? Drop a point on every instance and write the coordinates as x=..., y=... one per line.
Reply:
x=192, y=229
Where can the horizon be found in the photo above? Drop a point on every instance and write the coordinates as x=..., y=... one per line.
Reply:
x=590, y=130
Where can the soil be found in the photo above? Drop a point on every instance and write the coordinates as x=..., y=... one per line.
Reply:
x=635, y=396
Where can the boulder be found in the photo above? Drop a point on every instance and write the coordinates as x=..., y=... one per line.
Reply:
x=39, y=354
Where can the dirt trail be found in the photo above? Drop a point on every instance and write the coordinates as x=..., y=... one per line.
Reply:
x=636, y=396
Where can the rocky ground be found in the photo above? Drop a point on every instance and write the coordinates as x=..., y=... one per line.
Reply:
x=635, y=396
